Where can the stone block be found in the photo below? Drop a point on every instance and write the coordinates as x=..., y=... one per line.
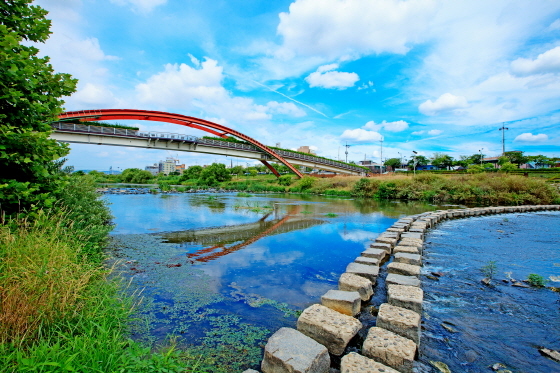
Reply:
x=380, y=245
x=290, y=351
x=417, y=230
x=414, y=259
x=419, y=236
x=355, y=363
x=411, y=242
x=352, y=282
x=346, y=302
x=406, y=250
x=330, y=328
x=409, y=297
x=389, y=234
x=390, y=240
x=397, y=230
x=390, y=349
x=369, y=272
x=401, y=321
x=250, y=371
x=403, y=269
x=376, y=253
x=367, y=260
x=393, y=278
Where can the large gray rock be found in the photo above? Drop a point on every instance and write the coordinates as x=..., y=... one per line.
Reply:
x=381, y=246
x=364, y=270
x=409, y=234
x=346, y=302
x=330, y=328
x=390, y=349
x=403, y=269
x=402, y=248
x=367, y=261
x=353, y=282
x=401, y=321
x=289, y=351
x=355, y=363
x=393, y=278
x=377, y=253
x=414, y=259
x=409, y=297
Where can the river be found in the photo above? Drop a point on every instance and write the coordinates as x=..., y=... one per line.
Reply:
x=219, y=273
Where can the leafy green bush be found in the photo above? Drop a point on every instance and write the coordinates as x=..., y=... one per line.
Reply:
x=386, y=190
x=285, y=180
x=536, y=280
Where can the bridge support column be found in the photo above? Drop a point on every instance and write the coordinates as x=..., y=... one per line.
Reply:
x=270, y=168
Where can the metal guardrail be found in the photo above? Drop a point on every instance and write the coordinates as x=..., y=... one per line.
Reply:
x=83, y=128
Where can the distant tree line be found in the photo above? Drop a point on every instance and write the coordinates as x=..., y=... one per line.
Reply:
x=510, y=160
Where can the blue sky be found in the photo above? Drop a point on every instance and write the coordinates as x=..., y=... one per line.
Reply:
x=424, y=75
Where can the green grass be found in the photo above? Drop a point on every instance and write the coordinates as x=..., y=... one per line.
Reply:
x=59, y=312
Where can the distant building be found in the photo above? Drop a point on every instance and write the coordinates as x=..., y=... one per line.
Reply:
x=373, y=167
x=153, y=169
x=166, y=167
x=305, y=149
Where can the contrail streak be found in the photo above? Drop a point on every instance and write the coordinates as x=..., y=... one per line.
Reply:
x=289, y=98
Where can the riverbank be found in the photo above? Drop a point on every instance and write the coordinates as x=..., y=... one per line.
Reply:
x=58, y=310
x=488, y=189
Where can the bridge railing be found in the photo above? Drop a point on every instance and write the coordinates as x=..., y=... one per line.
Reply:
x=188, y=138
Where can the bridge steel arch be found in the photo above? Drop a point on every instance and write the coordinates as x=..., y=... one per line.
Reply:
x=183, y=120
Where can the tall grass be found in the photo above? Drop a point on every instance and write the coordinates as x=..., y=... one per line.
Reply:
x=480, y=189
x=58, y=310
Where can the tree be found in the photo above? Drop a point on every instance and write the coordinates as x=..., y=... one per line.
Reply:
x=30, y=99
x=420, y=161
x=136, y=176
x=252, y=171
x=516, y=157
x=191, y=173
x=393, y=162
x=539, y=160
x=236, y=170
x=214, y=174
x=441, y=160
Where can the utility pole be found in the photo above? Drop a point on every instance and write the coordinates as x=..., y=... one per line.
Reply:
x=414, y=161
x=503, y=129
x=346, y=152
x=480, y=151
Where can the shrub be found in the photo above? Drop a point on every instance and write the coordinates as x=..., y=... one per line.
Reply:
x=285, y=180
x=386, y=190
x=306, y=182
x=536, y=280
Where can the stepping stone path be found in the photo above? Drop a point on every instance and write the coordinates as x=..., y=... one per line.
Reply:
x=390, y=346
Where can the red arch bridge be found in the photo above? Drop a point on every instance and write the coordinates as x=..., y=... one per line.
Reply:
x=252, y=149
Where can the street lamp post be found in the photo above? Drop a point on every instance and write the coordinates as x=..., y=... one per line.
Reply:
x=480, y=151
x=414, y=162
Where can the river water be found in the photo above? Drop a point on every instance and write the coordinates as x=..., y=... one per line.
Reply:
x=219, y=273
x=470, y=326
x=224, y=272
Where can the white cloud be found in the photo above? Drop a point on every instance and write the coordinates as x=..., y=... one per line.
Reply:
x=418, y=133
x=325, y=77
x=286, y=108
x=435, y=132
x=334, y=28
x=181, y=88
x=396, y=126
x=143, y=6
x=95, y=96
x=361, y=135
x=447, y=102
x=547, y=62
x=529, y=137
x=555, y=25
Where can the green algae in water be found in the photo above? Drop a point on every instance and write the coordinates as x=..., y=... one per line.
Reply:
x=175, y=299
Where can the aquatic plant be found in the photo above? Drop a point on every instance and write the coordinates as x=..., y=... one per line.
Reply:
x=490, y=269
x=536, y=280
x=242, y=194
x=331, y=215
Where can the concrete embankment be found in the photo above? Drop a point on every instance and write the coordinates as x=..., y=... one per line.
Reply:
x=325, y=330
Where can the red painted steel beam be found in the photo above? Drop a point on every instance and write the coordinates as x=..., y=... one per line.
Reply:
x=271, y=168
x=183, y=120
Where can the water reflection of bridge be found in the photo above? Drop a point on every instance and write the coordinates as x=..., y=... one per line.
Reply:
x=216, y=239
